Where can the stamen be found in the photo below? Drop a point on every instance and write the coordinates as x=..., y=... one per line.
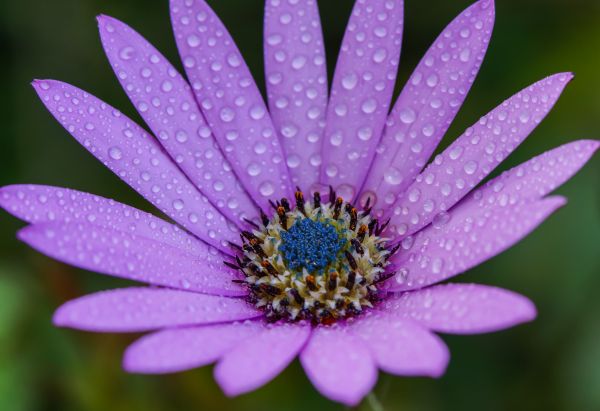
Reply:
x=264, y=218
x=310, y=283
x=282, y=217
x=332, y=283
x=269, y=267
x=372, y=226
x=362, y=232
x=353, y=218
x=357, y=246
x=251, y=223
x=317, y=200
x=337, y=208
x=300, y=201
x=351, y=280
x=351, y=260
x=231, y=265
x=382, y=228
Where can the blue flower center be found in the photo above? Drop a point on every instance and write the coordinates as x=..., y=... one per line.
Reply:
x=312, y=245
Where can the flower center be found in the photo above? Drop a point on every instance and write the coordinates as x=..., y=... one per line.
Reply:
x=316, y=261
x=311, y=244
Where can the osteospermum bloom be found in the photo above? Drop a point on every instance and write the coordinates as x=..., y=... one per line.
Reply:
x=314, y=227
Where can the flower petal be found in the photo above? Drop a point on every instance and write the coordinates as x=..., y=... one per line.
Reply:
x=143, y=309
x=296, y=75
x=37, y=204
x=165, y=101
x=462, y=308
x=126, y=255
x=361, y=93
x=135, y=157
x=428, y=103
x=260, y=358
x=182, y=349
x=474, y=155
x=339, y=365
x=400, y=346
x=464, y=238
x=536, y=177
x=230, y=100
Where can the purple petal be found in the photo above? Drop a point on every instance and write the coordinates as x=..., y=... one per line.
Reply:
x=536, y=177
x=182, y=349
x=361, y=93
x=400, y=346
x=130, y=256
x=143, y=309
x=260, y=358
x=37, y=204
x=462, y=308
x=230, y=100
x=296, y=75
x=339, y=364
x=135, y=157
x=429, y=102
x=166, y=102
x=464, y=238
x=474, y=155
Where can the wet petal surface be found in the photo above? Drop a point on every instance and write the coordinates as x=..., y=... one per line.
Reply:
x=536, y=177
x=125, y=255
x=428, y=103
x=186, y=348
x=230, y=100
x=45, y=204
x=361, y=92
x=474, y=155
x=260, y=358
x=463, y=238
x=134, y=156
x=400, y=346
x=463, y=308
x=296, y=75
x=339, y=365
x=165, y=101
x=142, y=309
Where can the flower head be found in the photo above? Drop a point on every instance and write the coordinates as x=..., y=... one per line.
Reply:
x=314, y=227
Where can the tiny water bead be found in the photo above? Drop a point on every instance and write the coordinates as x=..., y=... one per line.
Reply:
x=316, y=261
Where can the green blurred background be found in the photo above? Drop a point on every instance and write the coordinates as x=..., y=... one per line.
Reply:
x=551, y=364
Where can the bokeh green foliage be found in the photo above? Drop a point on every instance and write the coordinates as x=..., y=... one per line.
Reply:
x=551, y=364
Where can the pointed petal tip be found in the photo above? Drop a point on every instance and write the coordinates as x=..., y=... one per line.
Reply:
x=228, y=389
x=485, y=6
x=25, y=234
x=565, y=76
x=107, y=24
x=130, y=364
x=60, y=318
x=555, y=202
x=36, y=83
x=442, y=367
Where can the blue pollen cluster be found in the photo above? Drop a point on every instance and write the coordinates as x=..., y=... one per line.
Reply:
x=312, y=245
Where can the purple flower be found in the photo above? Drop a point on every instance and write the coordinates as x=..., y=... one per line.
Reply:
x=252, y=273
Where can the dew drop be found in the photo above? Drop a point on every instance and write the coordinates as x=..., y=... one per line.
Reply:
x=407, y=115
x=115, y=153
x=470, y=167
x=392, y=176
x=350, y=81
x=266, y=189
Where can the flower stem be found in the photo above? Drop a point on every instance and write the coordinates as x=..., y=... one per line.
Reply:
x=374, y=402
